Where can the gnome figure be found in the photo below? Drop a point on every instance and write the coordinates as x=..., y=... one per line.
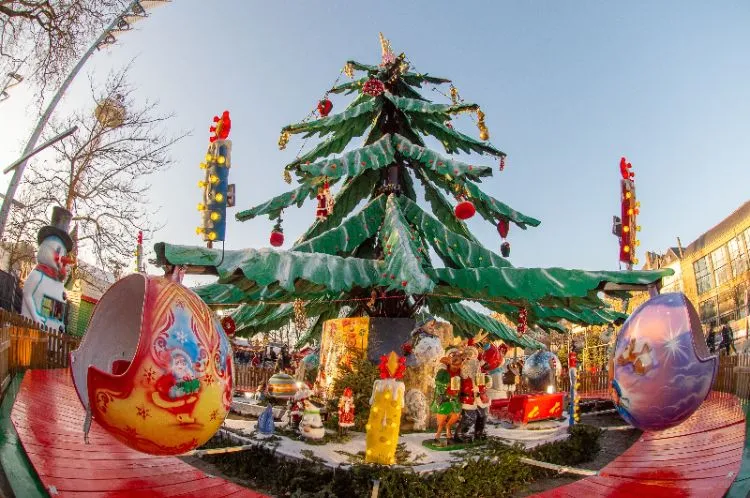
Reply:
x=43, y=290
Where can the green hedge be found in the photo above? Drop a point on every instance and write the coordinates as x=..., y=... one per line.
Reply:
x=494, y=472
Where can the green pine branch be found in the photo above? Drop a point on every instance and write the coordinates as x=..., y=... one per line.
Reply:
x=442, y=208
x=439, y=164
x=374, y=156
x=414, y=106
x=453, y=141
x=274, y=206
x=352, y=193
x=450, y=246
x=402, y=258
x=338, y=123
x=351, y=233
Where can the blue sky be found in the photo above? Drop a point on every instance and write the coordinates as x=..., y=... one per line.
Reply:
x=567, y=87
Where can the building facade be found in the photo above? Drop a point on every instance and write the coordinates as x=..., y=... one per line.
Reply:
x=714, y=272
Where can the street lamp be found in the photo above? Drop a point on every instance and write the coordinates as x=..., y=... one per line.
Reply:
x=13, y=78
x=134, y=12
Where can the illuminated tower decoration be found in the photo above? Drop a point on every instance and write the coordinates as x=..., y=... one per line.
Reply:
x=218, y=195
x=626, y=227
x=386, y=402
x=139, y=266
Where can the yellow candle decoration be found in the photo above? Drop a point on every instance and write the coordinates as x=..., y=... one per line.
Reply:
x=387, y=400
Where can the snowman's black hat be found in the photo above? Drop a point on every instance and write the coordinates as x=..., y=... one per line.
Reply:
x=58, y=227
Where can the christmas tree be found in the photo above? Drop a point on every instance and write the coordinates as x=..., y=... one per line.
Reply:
x=379, y=260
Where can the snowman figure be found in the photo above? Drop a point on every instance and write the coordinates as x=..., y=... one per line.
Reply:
x=311, y=426
x=44, y=290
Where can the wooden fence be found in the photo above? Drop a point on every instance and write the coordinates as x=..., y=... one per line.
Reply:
x=25, y=344
x=248, y=377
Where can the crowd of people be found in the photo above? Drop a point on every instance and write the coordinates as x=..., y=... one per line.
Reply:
x=725, y=336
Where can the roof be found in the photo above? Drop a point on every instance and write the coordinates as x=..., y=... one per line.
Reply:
x=709, y=237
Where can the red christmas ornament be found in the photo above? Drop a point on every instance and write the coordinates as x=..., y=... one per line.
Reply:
x=505, y=249
x=502, y=227
x=373, y=87
x=227, y=323
x=277, y=237
x=324, y=107
x=465, y=210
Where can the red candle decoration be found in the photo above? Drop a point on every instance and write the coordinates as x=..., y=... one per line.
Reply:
x=502, y=227
x=392, y=366
x=324, y=107
x=221, y=128
x=465, y=210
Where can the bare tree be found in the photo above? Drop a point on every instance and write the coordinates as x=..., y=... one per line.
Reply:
x=50, y=35
x=100, y=173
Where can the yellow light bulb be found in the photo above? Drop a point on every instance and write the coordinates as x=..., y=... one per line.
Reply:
x=630, y=212
x=628, y=195
x=367, y=427
x=212, y=236
x=199, y=230
x=638, y=228
x=215, y=216
x=375, y=409
x=209, y=157
x=626, y=229
x=626, y=248
x=637, y=243
x=204, y=165
x=213, y=179
x=201, y=207
x=637, y=204
x=222, y=160
x=369, y=452
x=201, y=184
x=219, y=197
x=387, y=396
x=635, y=261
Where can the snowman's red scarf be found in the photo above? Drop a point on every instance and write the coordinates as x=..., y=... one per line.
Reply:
x=52, y=272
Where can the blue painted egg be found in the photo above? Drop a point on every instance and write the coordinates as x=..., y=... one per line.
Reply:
x=663, y=370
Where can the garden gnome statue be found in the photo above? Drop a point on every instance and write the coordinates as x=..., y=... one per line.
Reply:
x=346, y=410
x=474, y=400
x=43, y=290
x=447, y=387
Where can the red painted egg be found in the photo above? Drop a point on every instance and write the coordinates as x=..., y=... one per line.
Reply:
x=155, y=367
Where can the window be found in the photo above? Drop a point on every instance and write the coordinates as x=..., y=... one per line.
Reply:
x=708, y=310
x=703, y=278
x=742, y=300
x=737, y=256
x=722, y=271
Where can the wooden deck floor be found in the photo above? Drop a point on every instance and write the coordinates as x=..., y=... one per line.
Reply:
x=48, y=419
x=699, y=458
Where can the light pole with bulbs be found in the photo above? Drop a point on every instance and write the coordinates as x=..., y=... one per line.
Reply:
x=134, y=12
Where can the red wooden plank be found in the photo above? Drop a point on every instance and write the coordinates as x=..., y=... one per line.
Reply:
x=49, y=420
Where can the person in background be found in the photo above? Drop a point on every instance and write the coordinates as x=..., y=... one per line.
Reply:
x=711, y=339
x=727, y=338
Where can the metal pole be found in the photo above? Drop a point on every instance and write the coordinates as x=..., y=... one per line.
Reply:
x=18, y=173
x=40, y=148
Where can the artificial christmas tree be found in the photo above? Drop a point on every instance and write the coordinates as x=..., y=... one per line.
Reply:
x=379, y=261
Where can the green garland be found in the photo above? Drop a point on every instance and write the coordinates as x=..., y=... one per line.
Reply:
x=496, y=471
